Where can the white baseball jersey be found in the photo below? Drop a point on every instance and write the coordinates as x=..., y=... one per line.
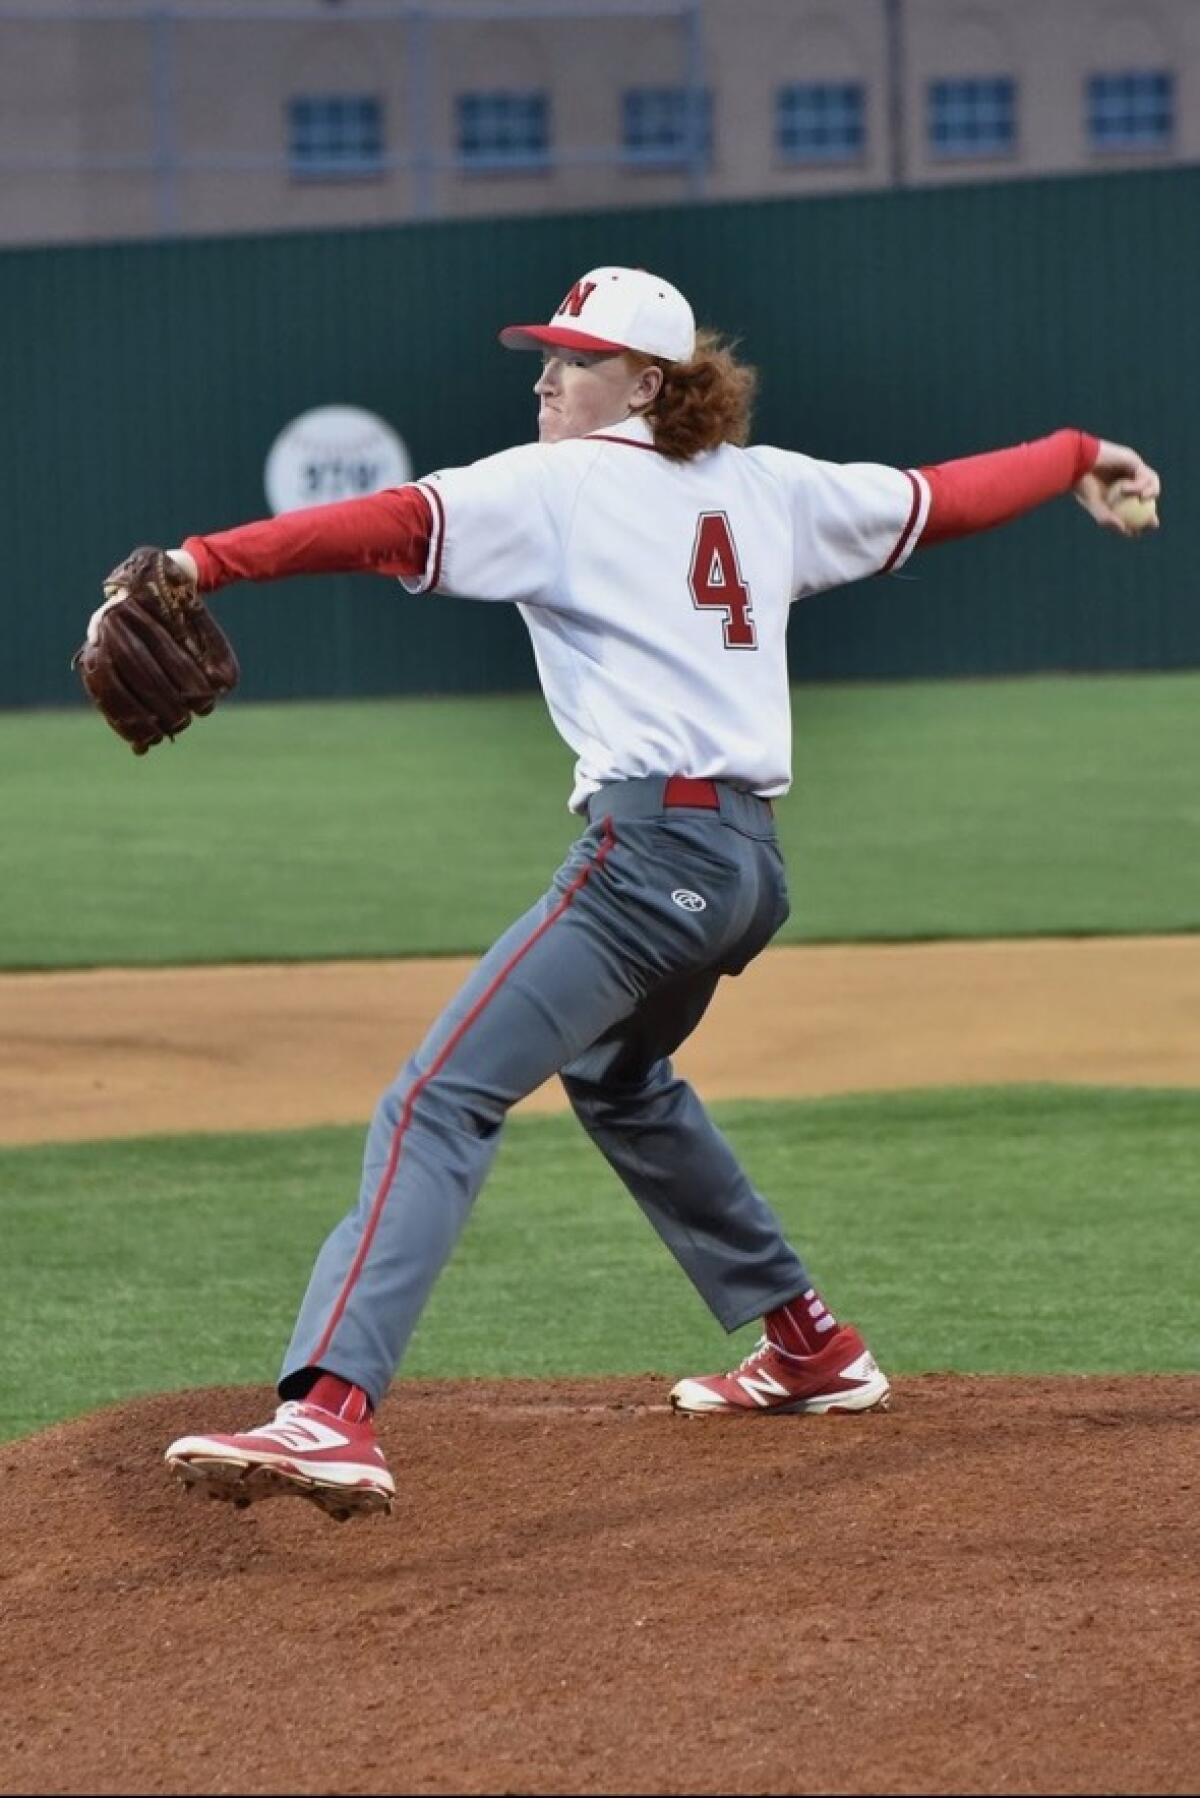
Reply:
x=656, y=593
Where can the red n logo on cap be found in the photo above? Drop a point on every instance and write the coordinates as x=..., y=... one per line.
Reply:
x=575, y=300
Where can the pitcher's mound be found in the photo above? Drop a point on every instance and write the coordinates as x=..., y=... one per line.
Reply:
x=992, y=1588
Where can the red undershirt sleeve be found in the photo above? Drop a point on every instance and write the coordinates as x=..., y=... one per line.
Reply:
x=977, y=492
x=383, y=533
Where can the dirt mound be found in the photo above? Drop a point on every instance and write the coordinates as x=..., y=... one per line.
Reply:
x=992, y=1589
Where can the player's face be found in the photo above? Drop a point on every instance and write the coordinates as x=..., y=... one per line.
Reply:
x=580, y=391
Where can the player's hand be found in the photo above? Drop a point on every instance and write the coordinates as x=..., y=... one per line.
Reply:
x=1118, y=473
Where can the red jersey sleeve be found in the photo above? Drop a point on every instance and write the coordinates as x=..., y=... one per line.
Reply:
x=383, y=533
x=977, y=492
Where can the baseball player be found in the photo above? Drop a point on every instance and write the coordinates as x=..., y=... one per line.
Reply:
x=653, y=558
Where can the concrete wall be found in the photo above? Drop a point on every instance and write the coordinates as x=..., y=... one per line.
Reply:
x=114, y=127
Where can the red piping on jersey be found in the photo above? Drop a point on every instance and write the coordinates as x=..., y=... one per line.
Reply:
x=431, y=492
x=629, y=442
x=905, y=536
x=608, y=843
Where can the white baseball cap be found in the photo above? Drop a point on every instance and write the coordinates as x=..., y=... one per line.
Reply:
x=617, y=309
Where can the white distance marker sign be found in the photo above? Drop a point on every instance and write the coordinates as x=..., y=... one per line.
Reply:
x=330, y=453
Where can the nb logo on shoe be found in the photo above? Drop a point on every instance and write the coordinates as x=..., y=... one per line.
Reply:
x=688, y=901
x=761, y=1387
x=302, y=1436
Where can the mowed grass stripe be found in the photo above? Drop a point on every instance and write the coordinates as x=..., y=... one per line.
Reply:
x=928, y=809
x=1015, y=1230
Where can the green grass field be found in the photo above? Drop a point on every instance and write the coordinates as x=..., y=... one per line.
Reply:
x=423, y=826
x=1034, y=1229
x=1012, y=1231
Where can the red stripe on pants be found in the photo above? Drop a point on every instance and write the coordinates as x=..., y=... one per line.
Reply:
x=435, y=1067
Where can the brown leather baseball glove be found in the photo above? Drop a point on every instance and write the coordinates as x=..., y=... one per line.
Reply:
x=154, y=656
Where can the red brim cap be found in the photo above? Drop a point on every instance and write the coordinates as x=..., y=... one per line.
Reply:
x=534, y=337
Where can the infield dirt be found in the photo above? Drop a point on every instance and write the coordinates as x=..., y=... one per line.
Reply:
x=136, y=1052
x=991, y=1589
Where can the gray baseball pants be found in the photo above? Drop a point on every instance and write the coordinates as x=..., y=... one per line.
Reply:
x=599, y=982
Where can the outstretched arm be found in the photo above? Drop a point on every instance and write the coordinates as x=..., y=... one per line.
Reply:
x=383, y=533
x=976, y=493
x=154, y=657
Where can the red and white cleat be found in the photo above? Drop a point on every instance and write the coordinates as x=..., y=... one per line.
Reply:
x=842, y=1377
x=304, y=1453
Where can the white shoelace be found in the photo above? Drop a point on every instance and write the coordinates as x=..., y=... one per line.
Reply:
x=765, y=1346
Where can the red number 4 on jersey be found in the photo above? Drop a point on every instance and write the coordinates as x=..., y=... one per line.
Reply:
x=716, y=580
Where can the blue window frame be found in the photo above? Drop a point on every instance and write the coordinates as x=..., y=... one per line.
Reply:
x=659, y=128
x=503, y=130
x=1131, y=109
x=335, y=136
x=821, y=121
x=975, y=116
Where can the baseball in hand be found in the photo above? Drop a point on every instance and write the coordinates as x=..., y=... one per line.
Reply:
x=1137, y=514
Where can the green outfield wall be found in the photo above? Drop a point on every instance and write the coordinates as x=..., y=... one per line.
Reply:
x=144, y=383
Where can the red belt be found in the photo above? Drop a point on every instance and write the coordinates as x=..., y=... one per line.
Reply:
x=681, y=789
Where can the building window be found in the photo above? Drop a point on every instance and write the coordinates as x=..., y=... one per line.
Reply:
x=663, y=127
x=503, y=130
x=821, y=121
x=974, y=117
x=335, y=136
x=1131, y=110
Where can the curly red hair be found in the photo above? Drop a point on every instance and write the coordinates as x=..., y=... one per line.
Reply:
x=703, y=402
